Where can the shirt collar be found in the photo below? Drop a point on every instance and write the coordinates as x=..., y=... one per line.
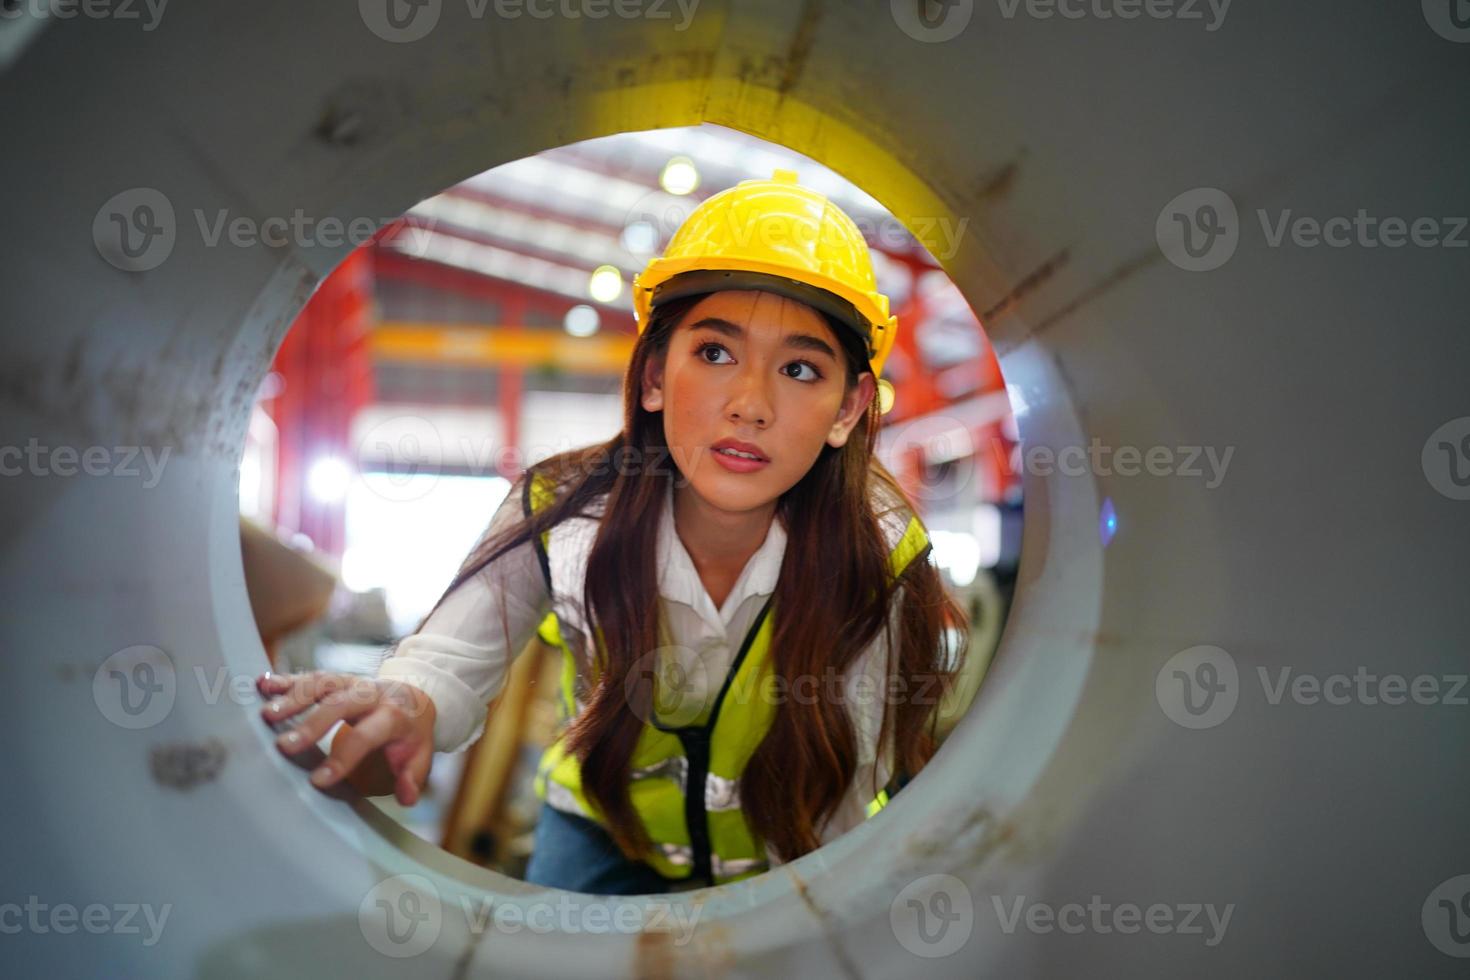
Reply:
x=678, y=579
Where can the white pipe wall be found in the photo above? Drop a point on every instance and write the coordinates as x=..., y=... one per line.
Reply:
x=1326, y=547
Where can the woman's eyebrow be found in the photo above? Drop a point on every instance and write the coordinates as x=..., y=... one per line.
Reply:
x=797, y=341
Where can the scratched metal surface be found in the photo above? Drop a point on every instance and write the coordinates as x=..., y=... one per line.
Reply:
x=1055, y=143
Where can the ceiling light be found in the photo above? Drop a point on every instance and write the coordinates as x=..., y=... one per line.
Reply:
x=885, y=396
x=606, y=283
x=581, y=321
x=679, y=176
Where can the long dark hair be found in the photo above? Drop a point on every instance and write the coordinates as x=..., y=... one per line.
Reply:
x=833, y=595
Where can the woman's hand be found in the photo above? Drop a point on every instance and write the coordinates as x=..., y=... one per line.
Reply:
x=379, y=714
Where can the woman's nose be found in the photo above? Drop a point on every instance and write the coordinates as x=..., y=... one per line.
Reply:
x=750, y=401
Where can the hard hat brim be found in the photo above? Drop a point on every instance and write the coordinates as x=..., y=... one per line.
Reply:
x=700, y=281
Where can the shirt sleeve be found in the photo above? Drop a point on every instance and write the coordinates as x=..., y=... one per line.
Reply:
x=461, y=655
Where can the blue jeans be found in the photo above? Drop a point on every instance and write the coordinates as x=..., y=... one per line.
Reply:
x=576, y=854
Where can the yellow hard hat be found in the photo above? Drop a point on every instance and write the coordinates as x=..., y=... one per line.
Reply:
x=778, y=236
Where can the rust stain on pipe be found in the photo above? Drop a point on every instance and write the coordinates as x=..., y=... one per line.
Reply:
x=653, y=955
x=184, y=765
x=801, y=47
x=1109, y=282
x=1028, y=284
x=849, y=969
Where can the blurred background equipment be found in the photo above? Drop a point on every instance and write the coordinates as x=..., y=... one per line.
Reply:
x=288, y=589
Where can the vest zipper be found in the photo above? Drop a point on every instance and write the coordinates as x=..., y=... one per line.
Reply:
x=696, y=750
x=696, y=742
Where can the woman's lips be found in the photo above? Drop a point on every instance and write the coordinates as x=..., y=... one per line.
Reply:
x=738, y=464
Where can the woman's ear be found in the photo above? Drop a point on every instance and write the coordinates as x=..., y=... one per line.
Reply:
x=854, y=404
x=653, y=383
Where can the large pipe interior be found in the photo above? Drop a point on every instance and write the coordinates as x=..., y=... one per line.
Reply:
x=1058, y=142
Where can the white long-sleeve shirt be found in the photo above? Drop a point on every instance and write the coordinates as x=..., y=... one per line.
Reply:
x=462, y=654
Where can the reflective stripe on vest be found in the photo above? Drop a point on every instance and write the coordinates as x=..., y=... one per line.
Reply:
x=700, y=835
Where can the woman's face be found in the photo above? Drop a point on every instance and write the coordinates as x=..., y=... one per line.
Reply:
x=757, y=369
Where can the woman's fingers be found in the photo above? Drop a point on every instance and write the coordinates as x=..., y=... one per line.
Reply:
x=414, y=772
x=389, y=715
x=377, y=728
x=293, y=693
x=343, y=704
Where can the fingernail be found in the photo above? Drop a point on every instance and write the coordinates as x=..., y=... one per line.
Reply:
x=275, y=706
x=290, y=738
x=322, y=776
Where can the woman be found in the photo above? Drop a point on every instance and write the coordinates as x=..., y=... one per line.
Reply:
x=748, y=564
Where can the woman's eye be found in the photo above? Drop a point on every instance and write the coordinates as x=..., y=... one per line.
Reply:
x=704, y=350
x=812, y=374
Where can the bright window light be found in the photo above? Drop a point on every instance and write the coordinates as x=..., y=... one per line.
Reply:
x=411, y=546
x=328, y=479
x=958, y=553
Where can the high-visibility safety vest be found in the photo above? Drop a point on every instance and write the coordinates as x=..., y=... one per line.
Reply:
x=699, y=835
